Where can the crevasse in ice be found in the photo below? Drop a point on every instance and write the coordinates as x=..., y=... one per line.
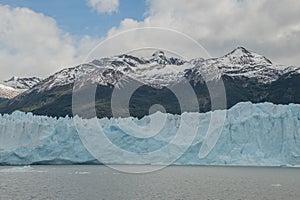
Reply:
x=253, y=134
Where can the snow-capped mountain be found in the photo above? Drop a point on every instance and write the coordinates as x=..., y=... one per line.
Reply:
x=159, y=70
x=241, y=63
x=7, y=92
x=247, y=76
x=22, y=83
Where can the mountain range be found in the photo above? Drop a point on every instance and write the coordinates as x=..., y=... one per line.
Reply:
x=247, y=76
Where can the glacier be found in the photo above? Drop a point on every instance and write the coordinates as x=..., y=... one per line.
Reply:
x=252, y=135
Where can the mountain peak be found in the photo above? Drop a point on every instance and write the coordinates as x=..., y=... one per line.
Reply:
x=14, y=78
x=158, y=54
x=239, y=51
x=163, y=59
x=242, y=56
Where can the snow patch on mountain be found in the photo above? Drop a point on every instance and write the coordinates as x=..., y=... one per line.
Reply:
x=7, y=92
x=16, y=86
x=22, y=83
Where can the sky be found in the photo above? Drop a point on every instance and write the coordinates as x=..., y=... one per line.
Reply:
x=38, y=37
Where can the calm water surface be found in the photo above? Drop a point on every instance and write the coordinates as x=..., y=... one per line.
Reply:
x=100, y=182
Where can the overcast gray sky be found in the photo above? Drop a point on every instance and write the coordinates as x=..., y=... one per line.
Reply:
x=34, y=43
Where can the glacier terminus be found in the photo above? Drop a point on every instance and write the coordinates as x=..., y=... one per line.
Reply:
x=253, y=135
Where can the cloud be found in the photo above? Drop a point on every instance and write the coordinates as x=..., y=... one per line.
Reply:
x=104, y=6
x=31, y=44
x=269, y=27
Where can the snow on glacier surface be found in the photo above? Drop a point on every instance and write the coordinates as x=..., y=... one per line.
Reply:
x=253, y=134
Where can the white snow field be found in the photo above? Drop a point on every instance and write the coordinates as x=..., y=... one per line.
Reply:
x=252, y=135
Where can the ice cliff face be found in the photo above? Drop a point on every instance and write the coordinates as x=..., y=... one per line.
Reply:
x=253, y=134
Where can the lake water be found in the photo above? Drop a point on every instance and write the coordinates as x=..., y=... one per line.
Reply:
x=100, y=182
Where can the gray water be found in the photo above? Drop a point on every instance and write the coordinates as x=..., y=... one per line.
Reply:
x=100, y=182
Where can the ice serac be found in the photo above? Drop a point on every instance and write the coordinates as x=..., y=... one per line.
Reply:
x=253, y=134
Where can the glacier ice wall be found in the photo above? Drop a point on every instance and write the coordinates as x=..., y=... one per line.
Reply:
x=253, y=134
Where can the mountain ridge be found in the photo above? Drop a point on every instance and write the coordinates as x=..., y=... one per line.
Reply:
x=159, y=68
x=247, y=76
x=22, y=83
